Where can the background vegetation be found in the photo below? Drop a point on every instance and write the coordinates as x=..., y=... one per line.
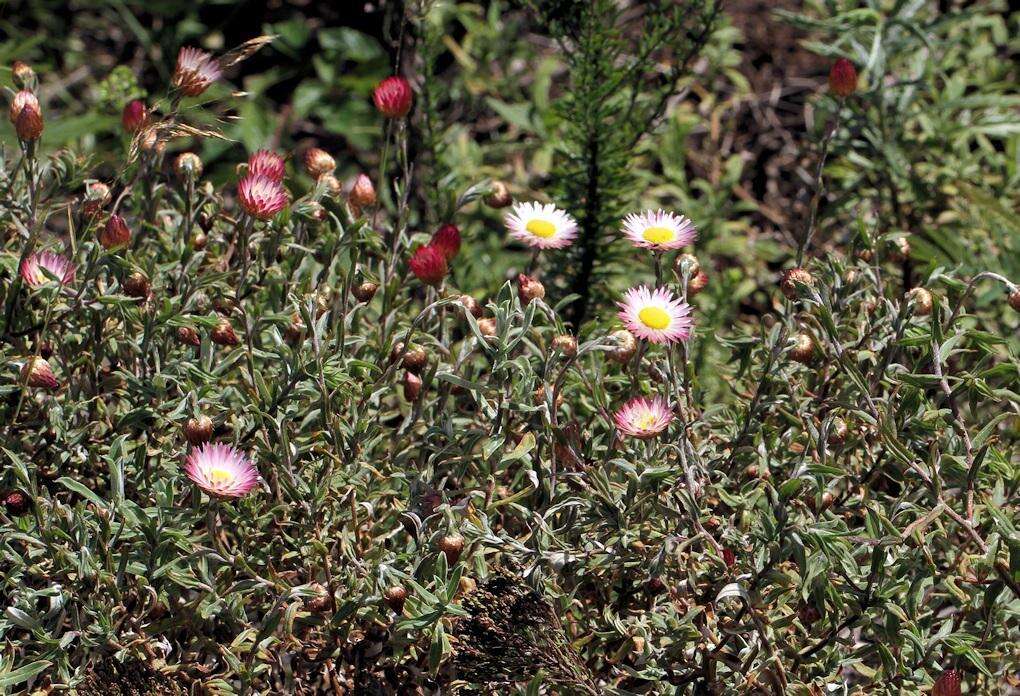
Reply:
x=753, y=549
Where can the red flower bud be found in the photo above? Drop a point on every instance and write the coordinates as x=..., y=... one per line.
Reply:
x=393, y=97
x=198, y=430
x=188, y=336
x=136, y=285
x=451, y=545
x=948, y=684
x=447, y=240
x=412, y=386
x=843, y=78
x=38, y=373
x=115, y=234
x=135, y=116
x=16, y=503
x=1014, y=299
x=395, y=597
x=223, y=334
x=529, y=288
x=29, y=123
x=429, y=265
x=729, y=557
x=364, y=292
x=362, y=192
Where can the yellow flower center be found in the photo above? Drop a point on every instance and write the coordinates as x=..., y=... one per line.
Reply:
x=658, y=235
x=654, y=317
x=541, y=228
x=646, y=421
x=219, y=476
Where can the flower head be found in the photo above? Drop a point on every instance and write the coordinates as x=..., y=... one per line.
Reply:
x=429, y=265
x=948, y=684
x=843, y=78
x=266, y=163
x=657, y=316
x=362, y=191
x=393, y=97
x=261, y=197
x=36, y=266
x=643, y=418
x=541, y=226
x=115, y=233
x=135, y=116
x=22, y=100
x=195, y=71
x=318, y=162
x=38, y=373
x=221, y=470
x=660, y=231
x=29, y=124
x=447, y=240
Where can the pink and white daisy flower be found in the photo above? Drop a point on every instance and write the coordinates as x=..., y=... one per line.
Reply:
x=34, y=276
x=541, y=226
x=267, y=163
x=221, y=470
x=195, y=71
x=643, y=418
x=658, y=316
x=261, y=197
x=660, y=231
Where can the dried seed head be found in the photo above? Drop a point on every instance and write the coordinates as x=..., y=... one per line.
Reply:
x=198, y=430
x=843, y=78
x=529, y=288
x=395, y=597
x=625, y=345
x=655, y=586
x=471, y=305
x=37, y=373
x=794, y=277
x=499, y=196
x=188, y=336
x=803, y=350
x=364, y=292
x=451, y=545
x=412, y=386
x=697, y=283
x=318, y=162
x=566, y=344
x=827, y=500
x=188, y=165
x=115, y=233
x=223, y=334
x=921, y=300
x=136, y=285
x=16, y=503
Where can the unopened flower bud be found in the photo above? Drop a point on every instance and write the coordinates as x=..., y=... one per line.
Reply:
x=23, y=75
x=1014, y=299
x=843, y=78
x=471, y=305
x=729, y=558
x=115, y=233
x=499, y=196
x=135, y=116
x=318, y=162
x=948, y=684
x=697, y=283
x=838, y=432
x=415, y=358
x=429, y=265
x=362, y=192
x=188, y=336
x=223, y=334
x=395, y=597
x=803, y=350
x=16, y=503
x=412, y=386
x=900, y=249
x=566, y=344
x=688, y=262
x=188, y=165
x=447, y=240
x=794, y=277
x=294, y=330
x=921, y=300
x=393, y=97
x=529, y=288
x=451, y=545
x=29, y=124
x=38, y=373
x=198, y=430
x=199, y=241
x=625, y=345
x=320, y=602
x=136, y=285
x=364, y=292
x=97, y=195
x=487, y=326
x=331, y=185
x=655, y=586
x=22, y=100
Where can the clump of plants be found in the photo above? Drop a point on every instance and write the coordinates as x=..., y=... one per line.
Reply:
x=264, y=436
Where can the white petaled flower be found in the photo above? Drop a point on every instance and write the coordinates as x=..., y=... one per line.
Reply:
x=221, y=470
x=658, y=316
x=541, y=226
x=643, y=418
x=661, y=230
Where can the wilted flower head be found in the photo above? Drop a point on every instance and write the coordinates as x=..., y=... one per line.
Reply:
x=195, y=71
x=447, y=240
x=657, y=316
x=115, y=233
x=267, y=163
x=261, y=197
x=38, y=373
x=843, y=78
x=135, y=116
x=393, y=97
x=541, y=226
x=659, y=230
x=318, y=162
x=221, y=470
x=36, y=266
x=429, y=265
x=643, y=418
